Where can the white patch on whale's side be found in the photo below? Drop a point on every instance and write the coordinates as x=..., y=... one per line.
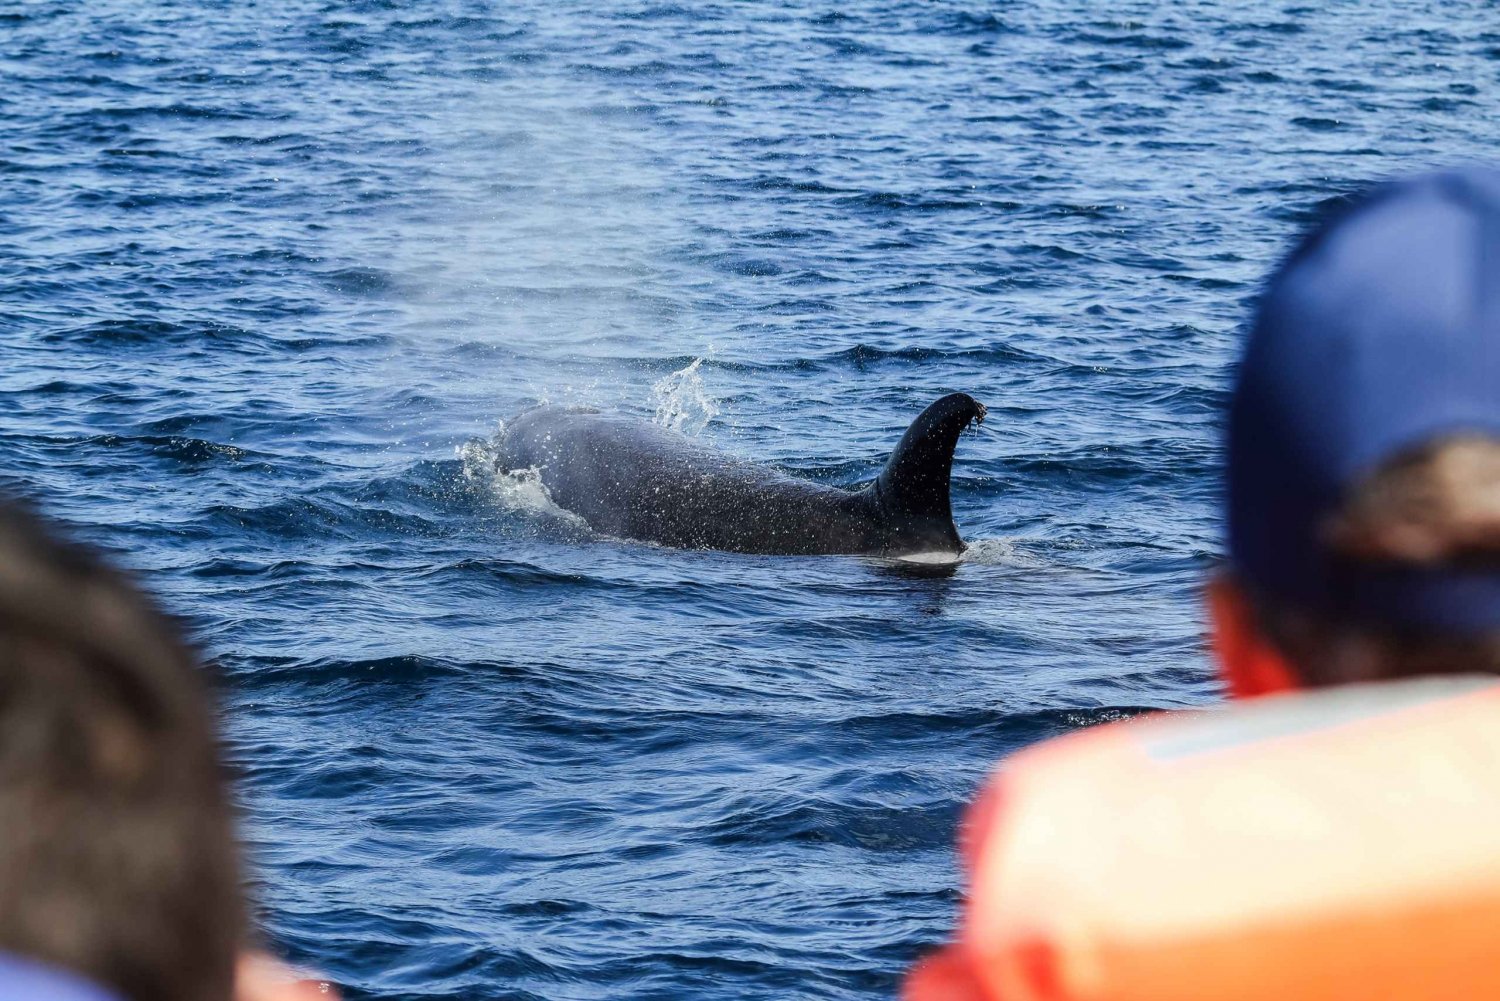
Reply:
x=936, y=557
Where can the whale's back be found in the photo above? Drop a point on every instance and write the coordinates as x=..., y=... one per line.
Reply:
x=634, y=479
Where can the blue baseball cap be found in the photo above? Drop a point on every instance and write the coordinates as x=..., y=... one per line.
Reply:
x=1379, y=334
x=28, y=980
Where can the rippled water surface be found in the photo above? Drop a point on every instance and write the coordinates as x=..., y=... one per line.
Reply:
x=273, y=273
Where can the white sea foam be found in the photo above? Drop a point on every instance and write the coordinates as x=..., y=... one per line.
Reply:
x=521, y=490
x=999, y=552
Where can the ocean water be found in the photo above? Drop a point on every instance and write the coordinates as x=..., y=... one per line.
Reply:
x=272, y=274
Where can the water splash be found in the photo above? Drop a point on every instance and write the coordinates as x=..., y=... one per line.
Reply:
x=520, y=490
x=682, y=401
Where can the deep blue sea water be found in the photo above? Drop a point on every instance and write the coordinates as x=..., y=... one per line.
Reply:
x=271, y=274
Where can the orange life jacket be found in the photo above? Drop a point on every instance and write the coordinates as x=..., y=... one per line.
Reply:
x=1340, y=844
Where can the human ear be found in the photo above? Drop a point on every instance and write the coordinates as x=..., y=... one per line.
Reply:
x=1248, y=663
x=259, y=976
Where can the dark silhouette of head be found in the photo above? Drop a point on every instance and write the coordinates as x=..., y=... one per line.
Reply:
x=117, y=853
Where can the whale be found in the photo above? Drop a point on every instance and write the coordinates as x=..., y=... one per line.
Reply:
x=630, y=478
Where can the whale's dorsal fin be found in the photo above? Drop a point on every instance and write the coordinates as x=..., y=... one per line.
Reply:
x=913, y=488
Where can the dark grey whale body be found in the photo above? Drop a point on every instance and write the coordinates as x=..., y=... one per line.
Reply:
x=633, y=479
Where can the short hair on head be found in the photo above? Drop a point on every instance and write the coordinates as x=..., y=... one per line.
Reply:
x=117, y=852
x=1435, y=507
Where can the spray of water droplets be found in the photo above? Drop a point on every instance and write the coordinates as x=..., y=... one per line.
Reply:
x=682, y=401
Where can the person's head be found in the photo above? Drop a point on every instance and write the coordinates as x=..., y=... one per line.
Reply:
x=1364, y=449
x=118, y=859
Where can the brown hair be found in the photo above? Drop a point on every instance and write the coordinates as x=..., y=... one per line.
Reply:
x=117, y=851
x=1436, y=506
